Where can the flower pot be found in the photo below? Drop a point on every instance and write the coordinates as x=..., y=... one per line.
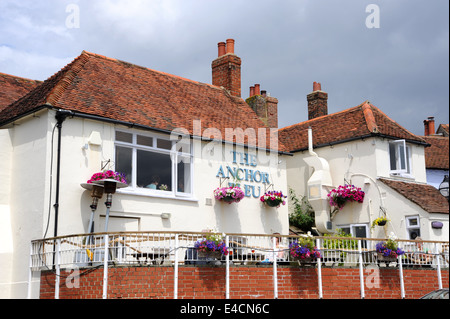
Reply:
x=271, y=203
x=382, y=223
x=228, y=199
x=388, y=259
x=306, y=261
x=209, y=254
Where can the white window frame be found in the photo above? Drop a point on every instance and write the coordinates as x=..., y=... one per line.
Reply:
x=352, y=230
x=402, y=153
x=410, y=227
x=174, y=155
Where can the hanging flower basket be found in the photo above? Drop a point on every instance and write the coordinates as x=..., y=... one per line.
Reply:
x=380, y=221
x=273, y=198
x=304, y=251
x=211, y=248
x=232, y=194
x=338, y=197
x=388, y=251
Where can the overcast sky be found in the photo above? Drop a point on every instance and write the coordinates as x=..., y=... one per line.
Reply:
x=394, y=54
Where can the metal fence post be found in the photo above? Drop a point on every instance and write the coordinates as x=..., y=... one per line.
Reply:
x=105, y=269
x=400, y=269
x=227, y=271
x=319, y=270
x=175, y=269
x=361, y=270
x=275, y=274
x=57, y=267
x=438, y=265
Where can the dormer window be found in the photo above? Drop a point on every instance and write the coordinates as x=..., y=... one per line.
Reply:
x=400, y=158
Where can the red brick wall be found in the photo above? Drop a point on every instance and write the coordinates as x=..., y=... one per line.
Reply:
x=246, y=282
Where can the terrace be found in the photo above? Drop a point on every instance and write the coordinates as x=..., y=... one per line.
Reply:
x=177, y=249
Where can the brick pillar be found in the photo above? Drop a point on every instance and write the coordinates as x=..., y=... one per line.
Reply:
x=317, y=102
x=226, y=69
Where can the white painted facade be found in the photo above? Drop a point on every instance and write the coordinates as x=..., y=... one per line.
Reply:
x=362, y=162
x=27, y=211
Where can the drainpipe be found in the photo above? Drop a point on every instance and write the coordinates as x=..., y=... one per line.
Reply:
x=60, y=116
x=318, y=185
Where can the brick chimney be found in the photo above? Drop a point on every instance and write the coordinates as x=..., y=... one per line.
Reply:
x=266, y=107
x=429, y=126
x=317, y=102
x=226, y=69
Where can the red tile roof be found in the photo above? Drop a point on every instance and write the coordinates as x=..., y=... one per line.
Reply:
x=13, y=88
x=362, y=121
x=426, y=196
x=113, y=89
x=437, y=156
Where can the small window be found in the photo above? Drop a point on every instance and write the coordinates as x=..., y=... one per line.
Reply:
x=399, y=156
x=413, y=226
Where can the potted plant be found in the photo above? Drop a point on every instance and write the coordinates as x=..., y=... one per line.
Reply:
x=109, y=174
x=212, y=246
x=338, y=197
x=231, y=194
x=388, y=251
x=303, y=250
x=273, y=198
x=380, y=221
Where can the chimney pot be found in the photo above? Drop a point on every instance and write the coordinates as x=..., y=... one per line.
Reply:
x=252, y=91
x=221, y=46
x=230, y=46
x=263, y=93
x=257, y=89
x=317, y=87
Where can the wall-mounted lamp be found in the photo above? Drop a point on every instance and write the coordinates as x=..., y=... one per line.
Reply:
x=443, y=188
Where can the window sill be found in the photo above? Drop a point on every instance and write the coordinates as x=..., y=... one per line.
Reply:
x=157, y=194
x=402, y=176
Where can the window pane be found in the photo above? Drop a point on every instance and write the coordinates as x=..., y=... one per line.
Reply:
x=154, y=170
x=124, y=137
x=392, y=156
x=184, y=175
x=124, y=157
x=402, y=157
x=145, y=140
x=164, y=144
x=412, y=221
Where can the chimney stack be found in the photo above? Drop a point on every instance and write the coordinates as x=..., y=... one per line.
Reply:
x=429, y=126
x=226, y=69
x=266, y=107
x=317, y=102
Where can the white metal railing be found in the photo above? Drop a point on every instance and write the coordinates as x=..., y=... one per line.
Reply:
x=178, y=248
x=159, y=248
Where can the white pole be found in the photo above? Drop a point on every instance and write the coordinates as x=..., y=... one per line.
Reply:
x=30, y=272
x=438, y=265
x=175, y=275
x=275, y=275
x=57, y=279
x=361, y=270
x=400, y=269
x=319, y=271
x=105, y=269
x=227, y=272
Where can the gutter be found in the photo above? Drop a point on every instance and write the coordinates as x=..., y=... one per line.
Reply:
x=362, y=138
x=148, y=128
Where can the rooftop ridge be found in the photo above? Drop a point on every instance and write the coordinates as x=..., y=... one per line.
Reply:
x=69, y=72
x=152, y=70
